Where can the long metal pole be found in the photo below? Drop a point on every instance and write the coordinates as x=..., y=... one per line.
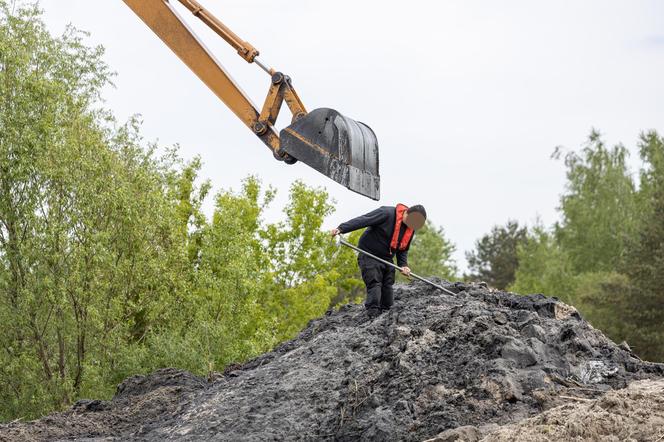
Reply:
x=391, y=264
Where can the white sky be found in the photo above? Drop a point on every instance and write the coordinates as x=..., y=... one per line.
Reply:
x=468, y=98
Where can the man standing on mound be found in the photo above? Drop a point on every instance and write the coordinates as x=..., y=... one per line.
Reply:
x=389, y=232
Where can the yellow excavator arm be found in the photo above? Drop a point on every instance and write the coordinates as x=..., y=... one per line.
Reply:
x=337, y=146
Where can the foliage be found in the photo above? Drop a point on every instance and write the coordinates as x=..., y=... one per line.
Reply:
x=544, y=267
x=351, y=288
x=495, y=258
x=83, y=222
x=599, y=207
x=602, y=298
x=606, y=257
x=645, y=265
x=108, y=266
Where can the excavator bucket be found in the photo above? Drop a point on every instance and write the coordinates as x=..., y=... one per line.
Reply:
x=337, y=146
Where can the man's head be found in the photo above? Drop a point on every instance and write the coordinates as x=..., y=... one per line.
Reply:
x=415, y=217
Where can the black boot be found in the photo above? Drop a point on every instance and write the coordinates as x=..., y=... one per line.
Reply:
x=373, y=312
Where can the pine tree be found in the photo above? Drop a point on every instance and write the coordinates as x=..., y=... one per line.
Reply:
x=495, y=257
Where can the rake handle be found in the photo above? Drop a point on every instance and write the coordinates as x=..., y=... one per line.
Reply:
x=391, y=264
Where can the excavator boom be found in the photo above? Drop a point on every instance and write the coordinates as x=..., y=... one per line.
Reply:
x=164, y=20
x=337, y=146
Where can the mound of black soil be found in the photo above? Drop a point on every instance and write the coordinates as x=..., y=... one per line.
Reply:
x=433, y=363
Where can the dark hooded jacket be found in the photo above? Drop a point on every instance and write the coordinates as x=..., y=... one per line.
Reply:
x=376, y=238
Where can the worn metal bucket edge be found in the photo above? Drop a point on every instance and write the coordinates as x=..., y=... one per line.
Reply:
x=337, y=146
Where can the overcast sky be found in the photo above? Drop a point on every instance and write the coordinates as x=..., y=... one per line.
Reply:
x=468, y=98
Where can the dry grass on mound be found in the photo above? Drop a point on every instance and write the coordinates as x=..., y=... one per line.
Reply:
x=635, y=413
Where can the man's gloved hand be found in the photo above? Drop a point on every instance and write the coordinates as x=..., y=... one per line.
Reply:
x=405, y=271
x=335, y=232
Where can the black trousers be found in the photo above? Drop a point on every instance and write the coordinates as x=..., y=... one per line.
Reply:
x=379, y=279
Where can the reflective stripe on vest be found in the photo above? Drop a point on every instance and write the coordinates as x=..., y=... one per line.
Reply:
x=401, y=209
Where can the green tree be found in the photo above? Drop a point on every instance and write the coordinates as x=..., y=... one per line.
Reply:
x=90, y=253
x=350, y=287
x=606, y=257
x=231, y=275
x=46, y=86
x=603, y=299
x=544, y=267
x=189, y=197
x=495, y=258
x=256, y=283
x=306, y=266
x=645, y=264
x=599, y=208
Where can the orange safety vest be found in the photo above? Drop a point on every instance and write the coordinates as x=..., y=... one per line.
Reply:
x=401, y=209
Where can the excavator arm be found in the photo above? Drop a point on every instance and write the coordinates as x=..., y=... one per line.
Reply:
x=337, y=146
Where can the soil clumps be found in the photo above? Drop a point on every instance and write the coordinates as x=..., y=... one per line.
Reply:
x=481, y=364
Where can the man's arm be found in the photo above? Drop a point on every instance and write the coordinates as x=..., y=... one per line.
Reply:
x=402, y=257
x=372, y=218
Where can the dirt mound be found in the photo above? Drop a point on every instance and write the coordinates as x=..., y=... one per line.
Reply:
x=635, y=413
x=434, y=362
x=141, y=404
